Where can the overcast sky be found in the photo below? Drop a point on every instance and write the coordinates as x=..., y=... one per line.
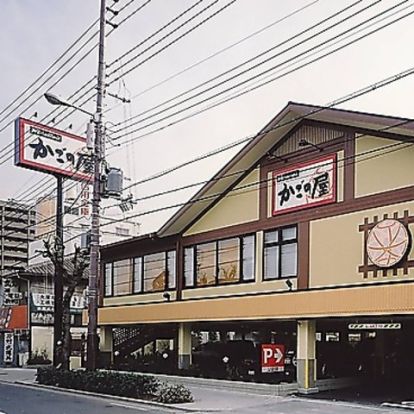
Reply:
x=36, y=32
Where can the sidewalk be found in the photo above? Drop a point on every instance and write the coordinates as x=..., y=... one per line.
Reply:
x=206, y=399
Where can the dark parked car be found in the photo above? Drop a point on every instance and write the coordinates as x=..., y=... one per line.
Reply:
x=234, y=359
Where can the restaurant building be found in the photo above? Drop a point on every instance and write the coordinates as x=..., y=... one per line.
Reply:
x=301, y=244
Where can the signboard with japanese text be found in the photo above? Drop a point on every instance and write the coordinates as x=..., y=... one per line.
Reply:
x=8, y=347
x=51, y=150
x=374, y=326
x=305, y=185
x=272, y=358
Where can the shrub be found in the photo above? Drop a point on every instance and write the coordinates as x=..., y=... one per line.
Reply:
x=173, y=394
x=104, y=382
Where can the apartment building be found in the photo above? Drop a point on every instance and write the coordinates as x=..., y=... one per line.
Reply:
x=17, y=230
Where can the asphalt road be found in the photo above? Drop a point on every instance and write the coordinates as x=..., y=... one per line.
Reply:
x=18, y=399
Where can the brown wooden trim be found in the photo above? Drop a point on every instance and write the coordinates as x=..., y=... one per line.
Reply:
x=179, y=268
x=139, y=248
x=363, y=203
x=349, y=167
x=263, y=192
x=303, y=254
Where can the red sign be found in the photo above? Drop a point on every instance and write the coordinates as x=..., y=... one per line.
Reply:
x=273, y=358
x=304, y=185
x=43, y=148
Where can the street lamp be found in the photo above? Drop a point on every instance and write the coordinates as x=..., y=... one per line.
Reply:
x=56, y=100
x=92, y=341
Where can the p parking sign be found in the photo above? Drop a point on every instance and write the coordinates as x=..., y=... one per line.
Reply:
x=272, y=358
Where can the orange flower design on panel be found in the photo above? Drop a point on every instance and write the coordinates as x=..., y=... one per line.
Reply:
x=387, y=243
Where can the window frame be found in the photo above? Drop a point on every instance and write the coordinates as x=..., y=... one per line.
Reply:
x=279, y=244
x=142, y=282
x=216, y=278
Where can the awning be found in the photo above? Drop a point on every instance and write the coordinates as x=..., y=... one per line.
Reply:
x=14, y=317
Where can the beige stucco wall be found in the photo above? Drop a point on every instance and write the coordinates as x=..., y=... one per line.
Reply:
x=380, y=171
x=239, y=206
x=140, y=298
x=369, y=300
x=337, y=248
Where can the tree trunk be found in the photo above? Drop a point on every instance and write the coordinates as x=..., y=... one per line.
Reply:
x=66, y=335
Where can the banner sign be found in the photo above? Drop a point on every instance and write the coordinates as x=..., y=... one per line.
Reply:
x=40, y=147
x=8, y=347
x=272, y=358
x=362, y=326
x=305, y=185
x=45, y=302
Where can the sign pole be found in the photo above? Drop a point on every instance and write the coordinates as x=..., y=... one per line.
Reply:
x=99, y=155
x=58, y=280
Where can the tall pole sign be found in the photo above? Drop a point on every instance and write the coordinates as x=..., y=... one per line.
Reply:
x=64, y=155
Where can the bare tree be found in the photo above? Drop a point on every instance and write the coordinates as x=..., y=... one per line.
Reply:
x=73, y=277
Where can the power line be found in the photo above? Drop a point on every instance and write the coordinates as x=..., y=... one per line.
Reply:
x=255, y=87
x=261, y=54
x=50, y=67
x=241, y=83
x=76, y=64
x=192, y=66
x=155, y=33
x=372, y=87
x=174, y=40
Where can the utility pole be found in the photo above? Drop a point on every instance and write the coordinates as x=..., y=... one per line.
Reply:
x=58, y=280
x=98, y=156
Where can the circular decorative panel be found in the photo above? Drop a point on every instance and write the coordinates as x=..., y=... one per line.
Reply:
x=387, y=243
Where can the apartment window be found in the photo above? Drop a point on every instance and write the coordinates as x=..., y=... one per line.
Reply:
x=122, y=271
x=108, y=279
x=280, y=253
x=221, y=262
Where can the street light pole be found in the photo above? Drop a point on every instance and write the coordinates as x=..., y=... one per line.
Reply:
x=99, y=155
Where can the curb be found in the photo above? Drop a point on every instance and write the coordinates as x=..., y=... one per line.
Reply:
x=108, y=397
x=398, y=405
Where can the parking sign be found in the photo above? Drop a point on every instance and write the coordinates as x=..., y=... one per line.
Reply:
x=272, y=358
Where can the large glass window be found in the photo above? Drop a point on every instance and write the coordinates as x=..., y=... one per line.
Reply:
x=154, y=272
x=122, y=277
x=280, y=253
x=138, y=275
x=248, y=256
x=108, y=279
x=206, y=264
x=189, y=266
x=228, y=261
x=150, y=273
x=171, y=270
x=221, y=262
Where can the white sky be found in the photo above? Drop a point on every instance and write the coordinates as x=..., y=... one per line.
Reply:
x=34, y=33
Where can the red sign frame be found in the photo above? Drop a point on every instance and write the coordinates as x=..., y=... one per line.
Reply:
x=20, y=146
x=332, y=199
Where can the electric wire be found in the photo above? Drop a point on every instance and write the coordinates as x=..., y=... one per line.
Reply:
x=241, y=83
